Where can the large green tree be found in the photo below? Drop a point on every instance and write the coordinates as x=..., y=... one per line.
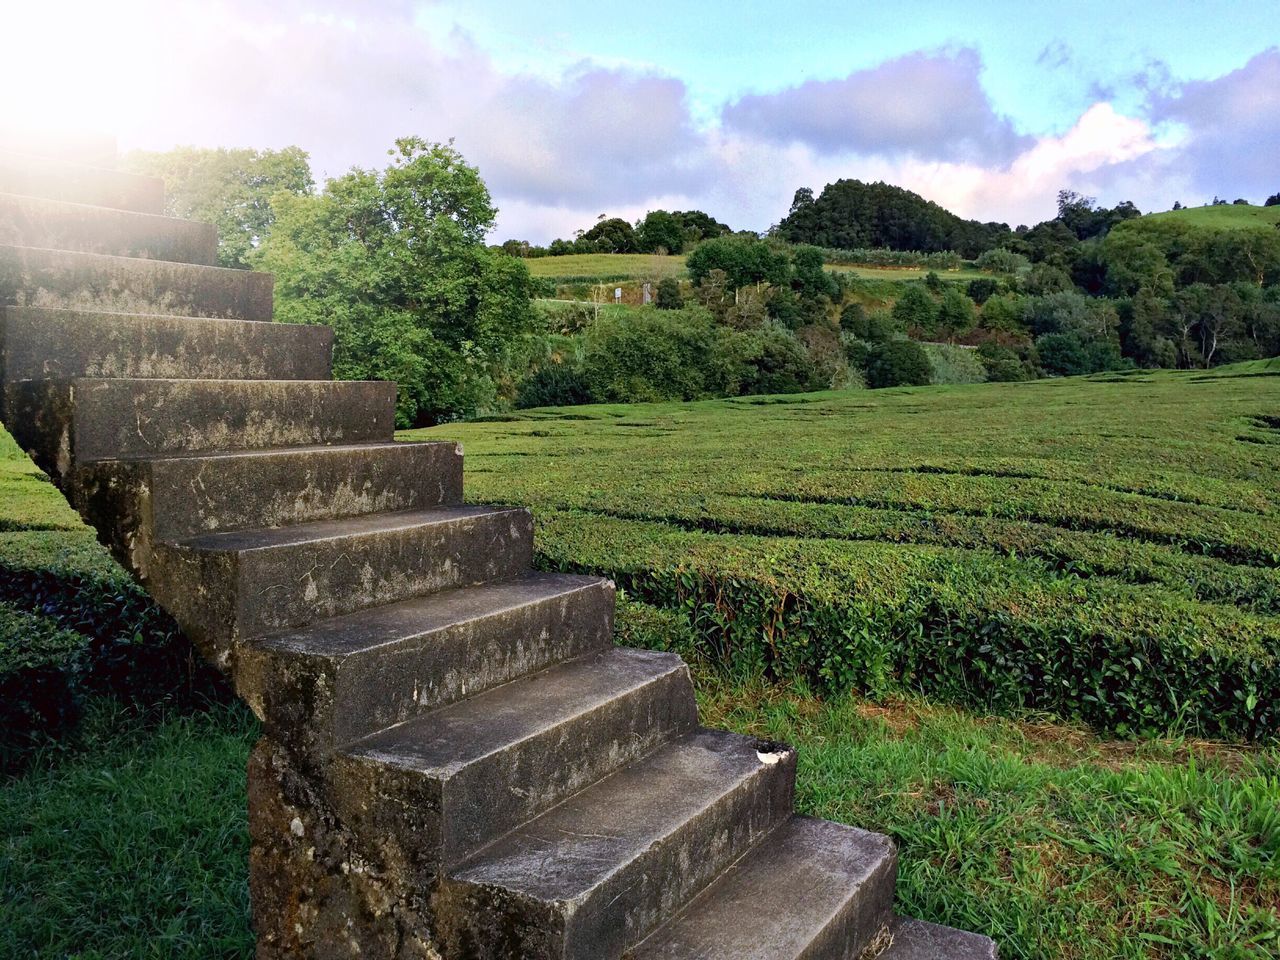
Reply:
x=395, y=262
x=232, y=189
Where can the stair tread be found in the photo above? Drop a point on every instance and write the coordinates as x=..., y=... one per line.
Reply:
x=394, y=622
x=145, y=262
x=7, y=195
x=447, y=740
x=316, y=531
x=775, y=901
x=562, y=855
x=318, y=449
x=918, y=940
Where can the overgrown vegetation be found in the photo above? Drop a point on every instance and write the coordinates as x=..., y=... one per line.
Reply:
x=1102, y=550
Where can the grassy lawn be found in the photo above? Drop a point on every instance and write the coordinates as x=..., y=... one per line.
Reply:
x=608, y=266
x=1224, y=217
x=582, y=267
x=1056, y=842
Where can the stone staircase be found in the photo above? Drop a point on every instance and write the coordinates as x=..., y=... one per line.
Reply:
x=457, y=762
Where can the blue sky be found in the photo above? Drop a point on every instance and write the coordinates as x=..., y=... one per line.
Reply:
x=575, y=109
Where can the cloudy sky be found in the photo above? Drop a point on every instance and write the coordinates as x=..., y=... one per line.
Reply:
x=576, y=108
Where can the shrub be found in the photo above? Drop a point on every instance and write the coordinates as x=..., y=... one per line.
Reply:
x=898, y=363
x=669, y=296
x=982, y=289
x=663, y=355
x=555, y=385
x=770, y=360
x=1063, y=354
x=952, y=364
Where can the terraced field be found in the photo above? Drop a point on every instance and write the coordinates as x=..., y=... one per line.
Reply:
x=1102, y=549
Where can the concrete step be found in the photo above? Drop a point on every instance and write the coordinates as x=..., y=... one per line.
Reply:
x=96, y=148
x=435, y=789
x=68, y=280
x=59, y=225
x=597, y=873
x=52, y=179
x=224, y=588
x=44, y=344
x=138, y=502
x=917, y=940
x=811, y=890
x=67, y=423
x=341, y=679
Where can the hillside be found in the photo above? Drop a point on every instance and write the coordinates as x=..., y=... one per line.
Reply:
x=849, y=214
x=1222, y=217
x=1102, y=549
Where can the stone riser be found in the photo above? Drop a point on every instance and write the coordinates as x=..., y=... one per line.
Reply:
x=436, y=789
x=31, y=176
x=150, y=347
x=811, y=890
x=349, y=677
x=58, y=225
x=600, y=871
x=31, y=277
x=227, y=588
x=78, y=421
x=135, y=504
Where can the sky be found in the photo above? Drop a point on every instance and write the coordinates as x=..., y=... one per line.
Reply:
x=576, y=109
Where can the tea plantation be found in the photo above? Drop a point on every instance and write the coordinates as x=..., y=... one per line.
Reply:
x=1000, y=536
x=1103, y=550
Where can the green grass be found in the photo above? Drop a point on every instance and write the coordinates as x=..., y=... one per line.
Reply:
x=1060, y=844
x=608, y=266
x=1224, y=217
x=614, y=267
x=1104, y=549
x=905, y=273
x=135, y=845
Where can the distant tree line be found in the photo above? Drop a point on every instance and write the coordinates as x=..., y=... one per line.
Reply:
x=660, y=231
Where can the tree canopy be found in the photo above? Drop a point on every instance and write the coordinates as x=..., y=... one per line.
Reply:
x=232, y=189
x=395, y=262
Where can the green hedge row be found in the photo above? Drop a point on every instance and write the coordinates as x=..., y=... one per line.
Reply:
x=989, y=633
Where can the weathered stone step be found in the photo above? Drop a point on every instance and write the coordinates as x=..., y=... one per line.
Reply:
x=917, y=940
x=44, y=344
x=137, y=502
x=228, y=587
x=34, y=176
x=341, y=679
x=811, y=890
x=68, y=280
x=60, y=225
x=601, y=870
x=80, y=146
x=437, y=788
x=65, y=422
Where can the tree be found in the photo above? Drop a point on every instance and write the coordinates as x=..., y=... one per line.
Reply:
x=898, y=363
x=982, y=289
x=613, y=235
x=659, y=231
x=916, y=309
x=1063, y=354
x=955, y=313
x=395, y=262
x=1004, y=312
x=1003, y=261
x=744, y=261
x=232, y=189
x=669, y=296
x=1272, y=201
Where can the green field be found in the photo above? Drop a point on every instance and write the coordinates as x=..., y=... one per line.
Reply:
x=1224, y=217
x=905, y=273
x=1130, y=505
x=580, y=267
x=608, y=266
x=1105, y=549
